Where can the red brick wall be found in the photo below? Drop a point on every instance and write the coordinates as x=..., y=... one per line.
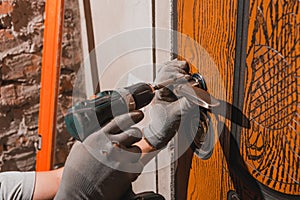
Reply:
x=71, y=61
x=21, y=37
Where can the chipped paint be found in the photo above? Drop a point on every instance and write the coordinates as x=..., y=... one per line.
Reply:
x=5, y=7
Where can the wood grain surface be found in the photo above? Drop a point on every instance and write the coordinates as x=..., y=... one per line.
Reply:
x=271, y=148
x=266, y=152
x=212, y=25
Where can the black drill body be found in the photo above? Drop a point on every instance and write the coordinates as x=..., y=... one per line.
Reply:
x=88, y=116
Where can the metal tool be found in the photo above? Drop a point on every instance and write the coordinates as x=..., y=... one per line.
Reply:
x=88, y=116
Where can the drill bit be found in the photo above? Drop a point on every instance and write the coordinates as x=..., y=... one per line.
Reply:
x=171, y=81
x=197, y=95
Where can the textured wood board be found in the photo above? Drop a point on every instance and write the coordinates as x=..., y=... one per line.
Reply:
x=271, y=148
x=266, y=151
x=212, y=25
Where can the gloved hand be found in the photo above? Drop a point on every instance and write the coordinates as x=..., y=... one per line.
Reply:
x=105, y=163
x=168, y=109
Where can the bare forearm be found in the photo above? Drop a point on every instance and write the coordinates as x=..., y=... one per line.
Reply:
x=148, y=152
x=47, y=184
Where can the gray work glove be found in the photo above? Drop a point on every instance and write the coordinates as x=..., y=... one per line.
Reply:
x=168, y=109
x=105, y=163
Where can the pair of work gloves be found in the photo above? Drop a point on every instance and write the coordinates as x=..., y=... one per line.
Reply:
x=106, y=162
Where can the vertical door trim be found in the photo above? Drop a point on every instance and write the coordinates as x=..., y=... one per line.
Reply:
x=244, y=183
x=174, y=48
x=153, y=38
x=153, y=23
x=240, y=64
x=91, y=46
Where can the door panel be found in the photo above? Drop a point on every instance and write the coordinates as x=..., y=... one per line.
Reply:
x=257, y=153
x=212, y=25
x=271, y=148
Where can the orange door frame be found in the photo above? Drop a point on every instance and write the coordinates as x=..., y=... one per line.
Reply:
x=49, y=82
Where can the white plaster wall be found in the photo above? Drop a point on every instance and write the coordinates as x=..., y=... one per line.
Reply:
x=114, y=17
x=121, y=62
x=111, y=18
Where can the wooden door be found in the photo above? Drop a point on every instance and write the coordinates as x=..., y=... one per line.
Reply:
x=255, y=46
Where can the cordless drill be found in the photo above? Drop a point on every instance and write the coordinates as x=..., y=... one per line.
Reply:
x=88, y=116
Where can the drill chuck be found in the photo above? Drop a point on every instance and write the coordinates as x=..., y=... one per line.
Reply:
x=142, y=94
